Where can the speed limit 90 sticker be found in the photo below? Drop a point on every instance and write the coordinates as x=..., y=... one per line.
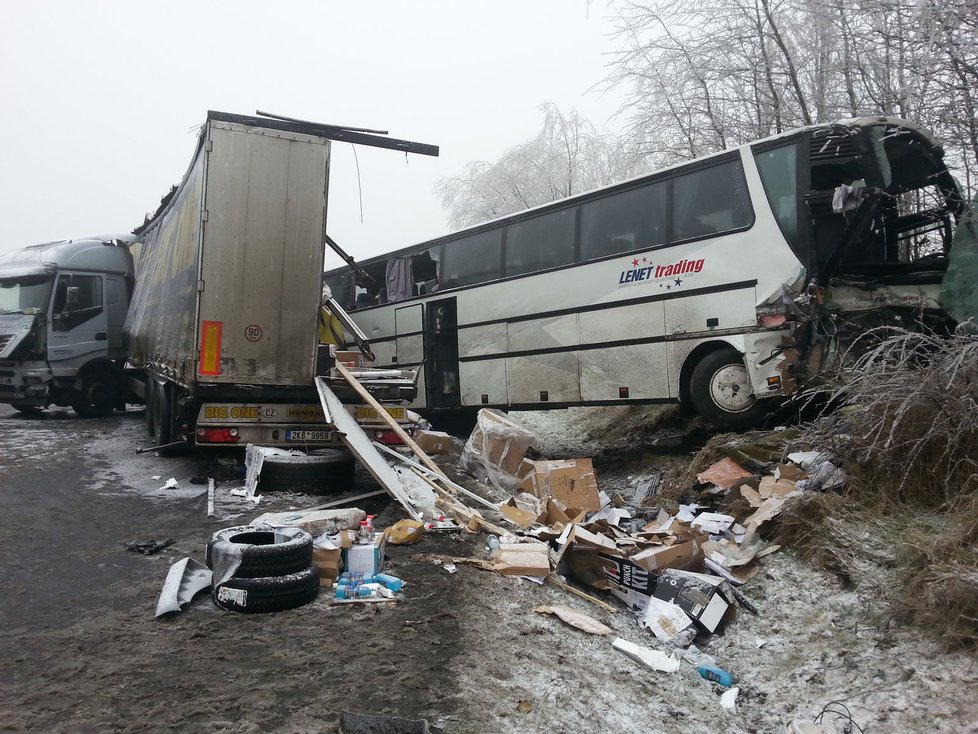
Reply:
x=253, y=332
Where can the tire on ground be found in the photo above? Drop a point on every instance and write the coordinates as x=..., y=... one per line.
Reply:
x=268, y=593
x=721, y=392
x=265, y=554
x=317, y=472
x=26, y=408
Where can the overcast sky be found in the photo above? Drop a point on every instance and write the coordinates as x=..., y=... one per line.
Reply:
x=101, y=100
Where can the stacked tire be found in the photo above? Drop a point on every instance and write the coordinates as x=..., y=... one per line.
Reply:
x=275, y=572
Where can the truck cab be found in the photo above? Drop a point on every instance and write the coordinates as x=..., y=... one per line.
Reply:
x=62, y=308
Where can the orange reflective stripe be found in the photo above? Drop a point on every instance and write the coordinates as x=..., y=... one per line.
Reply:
x=210, y=347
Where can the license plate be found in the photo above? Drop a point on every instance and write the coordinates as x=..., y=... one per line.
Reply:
x=366, y=413
x=6, y=380
x=308, y=436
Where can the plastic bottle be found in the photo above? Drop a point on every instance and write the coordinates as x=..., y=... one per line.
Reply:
x=391, y=582
x=717, y=675
x=364, y=535
x=370, y=527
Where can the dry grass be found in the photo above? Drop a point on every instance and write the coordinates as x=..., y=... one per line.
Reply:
x=908, y=437
x=942, y=574
x=911, y=435
x=818, y=527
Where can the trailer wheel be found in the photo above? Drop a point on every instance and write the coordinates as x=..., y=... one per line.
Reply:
x=150, y=400
x=99, y=394
x=267, y=554
x=162, y=413
x=268, y=593
x=721, y=392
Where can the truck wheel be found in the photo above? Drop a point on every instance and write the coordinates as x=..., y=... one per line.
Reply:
x=266, y=554
x=99, y=394
x=162, y=413
x=268, y=593
x=721, y=392
x=150, y=400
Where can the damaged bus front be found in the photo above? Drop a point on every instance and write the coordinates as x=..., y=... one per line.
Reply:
x=869, y=208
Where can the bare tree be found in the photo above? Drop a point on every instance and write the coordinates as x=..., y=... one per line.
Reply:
x=703, y=77
x=568, y=156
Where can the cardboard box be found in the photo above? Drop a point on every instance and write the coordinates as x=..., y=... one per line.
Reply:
x=329, y=563
x=572, y=481
x=678, y=555
x=496, y=441
x=349, y=359
x=365, y=558
x=702, y=597
x=529, y=510
x=433, y=442
x=522, y=559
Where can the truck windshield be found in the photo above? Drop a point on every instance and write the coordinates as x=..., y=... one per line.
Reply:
x=28, y=295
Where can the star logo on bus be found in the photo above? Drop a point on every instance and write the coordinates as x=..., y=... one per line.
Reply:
x=635, y=263
x=679, y=282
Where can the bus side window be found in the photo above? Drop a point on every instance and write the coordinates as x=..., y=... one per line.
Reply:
x=624, y=221
x=473, y=259
x=543, y=242
x=710, y=200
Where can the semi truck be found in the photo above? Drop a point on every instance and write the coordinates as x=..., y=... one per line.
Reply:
x=62, y=308
x=209, y=312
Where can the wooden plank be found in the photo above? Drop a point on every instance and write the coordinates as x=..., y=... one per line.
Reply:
x=360, y=445
x=348, y=500
x=385, y=416
x=555, y=580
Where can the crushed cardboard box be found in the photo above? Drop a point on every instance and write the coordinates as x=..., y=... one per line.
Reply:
x=572, y=481
x=495, y=449
x=433, y=442
x=705, y=599
x=522, y=559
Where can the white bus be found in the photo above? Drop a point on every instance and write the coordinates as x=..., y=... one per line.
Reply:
x=721, y=283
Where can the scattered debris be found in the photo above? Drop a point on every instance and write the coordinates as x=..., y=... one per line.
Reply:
x=149, y=547
x=185, y=578
x=575, y=619
x=655, y=659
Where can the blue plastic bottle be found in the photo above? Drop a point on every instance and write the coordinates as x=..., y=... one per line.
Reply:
x=717, y=675
x=391, y=582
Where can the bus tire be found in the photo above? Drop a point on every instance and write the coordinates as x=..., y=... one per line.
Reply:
x=720, y=390
x=264, y=555
x=99, y=394
x=268, y=593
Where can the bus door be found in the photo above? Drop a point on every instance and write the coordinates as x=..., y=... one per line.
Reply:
x=441, y=347
x=408, y=328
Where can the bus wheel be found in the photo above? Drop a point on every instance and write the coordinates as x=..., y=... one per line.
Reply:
x=720, y=391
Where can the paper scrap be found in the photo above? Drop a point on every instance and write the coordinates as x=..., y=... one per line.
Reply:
x=729, y=699
x=665, y=619
x=575, y=619
x=654, y=659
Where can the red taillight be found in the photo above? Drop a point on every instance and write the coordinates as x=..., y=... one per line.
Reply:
x=217, y=435
x=389, y=438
